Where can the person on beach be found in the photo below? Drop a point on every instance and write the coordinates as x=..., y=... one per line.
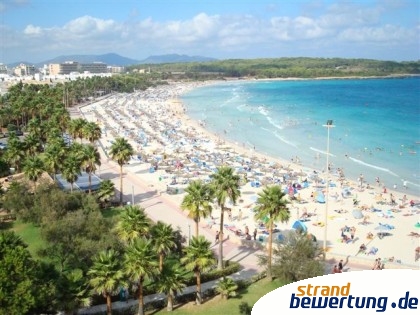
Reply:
x=255, y=234
x=361, y=180
x=417, y=254
x=404, y=200
x=352, y=233
x=217, y=237
x=230, y=214
x=340, y=266
x=378, y=264
x=392, y=199
x=240, y=215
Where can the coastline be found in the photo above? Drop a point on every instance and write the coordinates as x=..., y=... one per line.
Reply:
x=389, y=247
x=266, y=123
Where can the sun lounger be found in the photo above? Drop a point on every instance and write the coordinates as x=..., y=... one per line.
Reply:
x=372, y=251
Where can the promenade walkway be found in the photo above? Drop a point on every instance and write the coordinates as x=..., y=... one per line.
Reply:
x=162, y=207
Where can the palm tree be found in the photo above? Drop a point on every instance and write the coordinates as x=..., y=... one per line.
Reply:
x=32, y=144
x=197, y=202
x=171, y=280
x=71, y=170
x=33, y=168
x=198, y=258
x=54, y=156
x=92, y=131
x=60, y=118
x=15, y=152
x=271, y=207
x=121, y=151
x=163, y=240
x=140, y=264
x=106, y=276
x=91, y=158
x=76, y=127
x=226, y=186
x=106, y=191
x=226, y=287
x=73, y=291
x=133, y=224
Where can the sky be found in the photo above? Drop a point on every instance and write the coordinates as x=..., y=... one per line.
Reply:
x=38, y=30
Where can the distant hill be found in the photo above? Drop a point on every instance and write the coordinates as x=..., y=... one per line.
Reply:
x=174, y=58
x=112, y=59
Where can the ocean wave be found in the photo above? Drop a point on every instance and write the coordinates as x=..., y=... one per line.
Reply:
x=322, y=151
x=273, y=123
x=280, y=137
x=241, y=108
x=373, y=166
x=263, y=111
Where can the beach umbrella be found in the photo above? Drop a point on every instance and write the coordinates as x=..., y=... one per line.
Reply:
x=299, y=226
x=383, y=227
x=357, y=214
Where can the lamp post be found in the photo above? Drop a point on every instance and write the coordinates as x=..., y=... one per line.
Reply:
x=132, y=195
x=189, y=233
x=328, y=126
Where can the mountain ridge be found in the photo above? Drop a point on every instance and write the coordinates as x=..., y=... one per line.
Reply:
x=113, y=59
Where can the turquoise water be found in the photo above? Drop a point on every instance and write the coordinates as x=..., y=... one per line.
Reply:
x=376, y=123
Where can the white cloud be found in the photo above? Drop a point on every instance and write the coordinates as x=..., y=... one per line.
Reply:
x=31, y=30
x=88, y=26
x=12, y=4
x=386, y=33
x=213, y=35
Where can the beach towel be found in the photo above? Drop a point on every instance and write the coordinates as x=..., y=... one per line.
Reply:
x=320, y=198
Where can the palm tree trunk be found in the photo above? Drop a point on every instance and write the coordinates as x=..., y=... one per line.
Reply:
x=270, y=252
x=141, y=298
x=220, y=261
x=121, y=185
x=160, y=262
x=108, y=305
x=71, y=187
x=196, y=226
x=198, y=293
x=90, y=181
x=170, y=306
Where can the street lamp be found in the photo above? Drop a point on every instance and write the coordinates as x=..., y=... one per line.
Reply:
x=189, y=234
x=328, y=126
x=132, y=195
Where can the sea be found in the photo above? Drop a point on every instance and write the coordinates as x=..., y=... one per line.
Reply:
x=374, y=123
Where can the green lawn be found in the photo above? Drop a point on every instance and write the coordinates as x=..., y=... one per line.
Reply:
x=30, y=234
x=217, y=306
x=111, y=212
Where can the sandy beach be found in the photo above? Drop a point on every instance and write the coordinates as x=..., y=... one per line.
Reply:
x=172, y=149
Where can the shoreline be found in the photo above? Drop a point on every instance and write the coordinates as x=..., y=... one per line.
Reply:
x=354, y=159
x=172, y=106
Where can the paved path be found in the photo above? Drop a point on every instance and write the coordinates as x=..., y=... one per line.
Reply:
x=160, y=206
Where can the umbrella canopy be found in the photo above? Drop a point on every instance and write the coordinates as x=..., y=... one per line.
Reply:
x=300, y=226
x=384, y=227
x=357, y=214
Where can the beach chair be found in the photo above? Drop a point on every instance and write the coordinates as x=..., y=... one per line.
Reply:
x=373, y=251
